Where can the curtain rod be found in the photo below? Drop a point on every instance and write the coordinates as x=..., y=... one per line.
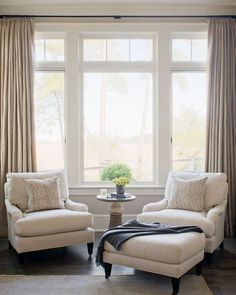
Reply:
x=121, y=16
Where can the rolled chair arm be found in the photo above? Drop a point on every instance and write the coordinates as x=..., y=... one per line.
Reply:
x=157, y=206
x=216, y=211
x=74, y=206
x=13, y=211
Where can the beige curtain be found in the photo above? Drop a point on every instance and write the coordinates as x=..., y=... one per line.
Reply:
x=221, y=125
x=17, y=144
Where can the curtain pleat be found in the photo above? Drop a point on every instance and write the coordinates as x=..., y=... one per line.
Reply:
x=17, y=139
x=221, y=118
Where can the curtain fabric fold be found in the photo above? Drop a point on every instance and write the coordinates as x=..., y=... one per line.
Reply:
x=221, y=117
x=17, y=142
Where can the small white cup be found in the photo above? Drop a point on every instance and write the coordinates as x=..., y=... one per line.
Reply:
x=103, y=191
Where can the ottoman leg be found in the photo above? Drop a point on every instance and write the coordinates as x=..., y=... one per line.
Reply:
x=90, y=248
x=21, y=258
x=10, y=245
x=208, y=259
x=107, y=267
x=199, y=268
x=222, y=246
x=175, y=285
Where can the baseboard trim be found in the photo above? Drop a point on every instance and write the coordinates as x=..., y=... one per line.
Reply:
x=101, y=221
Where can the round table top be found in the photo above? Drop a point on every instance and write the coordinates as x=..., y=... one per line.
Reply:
x=109, y=198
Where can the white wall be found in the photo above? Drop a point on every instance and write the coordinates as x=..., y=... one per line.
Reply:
x=101, y=209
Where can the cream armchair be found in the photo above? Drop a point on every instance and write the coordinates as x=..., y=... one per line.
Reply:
x=210, y=220
x=44, y=229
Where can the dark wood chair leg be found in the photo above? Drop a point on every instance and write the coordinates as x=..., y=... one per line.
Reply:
x=222, y=246
x=21, y=258
x=107, y=267
x=90, y=248
x=209, y=259
x=175, y=285
x=10, y=245
x=199, y=268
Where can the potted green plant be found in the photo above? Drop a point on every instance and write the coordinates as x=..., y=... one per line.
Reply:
x=120, y=183
x=114, y=171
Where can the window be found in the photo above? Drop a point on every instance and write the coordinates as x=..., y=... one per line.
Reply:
x=120, y=93
x=118, y=107
x=189, y=50
x=118, y=123
x=188, y=104
x=49, y=105
x=189, y=120
x=49, y=49
x=117, y=49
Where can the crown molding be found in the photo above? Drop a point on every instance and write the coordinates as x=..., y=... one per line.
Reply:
x=117, y=9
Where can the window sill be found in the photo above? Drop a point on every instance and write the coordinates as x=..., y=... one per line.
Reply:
x=144, y=190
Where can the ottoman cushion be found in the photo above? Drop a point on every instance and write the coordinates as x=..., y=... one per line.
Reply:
x=166, y=248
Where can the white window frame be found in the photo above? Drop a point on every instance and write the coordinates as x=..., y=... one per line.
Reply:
x=54, y=67
x=162, y=95
x=119, y=67
x=185, y=66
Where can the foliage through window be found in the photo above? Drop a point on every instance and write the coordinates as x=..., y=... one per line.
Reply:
x=118, y=123
x=49, y=104
x=118, y=107
x=189, y=104
x=189, y=120
x=49, y=118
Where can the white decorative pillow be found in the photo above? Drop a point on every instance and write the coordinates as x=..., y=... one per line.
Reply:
x=44, y=194
x=187, y=194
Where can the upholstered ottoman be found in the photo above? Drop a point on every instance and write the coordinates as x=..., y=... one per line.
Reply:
x=167, y=254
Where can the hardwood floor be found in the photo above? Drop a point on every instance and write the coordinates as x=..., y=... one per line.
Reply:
x=74, y=260
x=221, y=278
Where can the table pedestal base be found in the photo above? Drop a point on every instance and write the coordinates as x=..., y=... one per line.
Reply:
x=116, y=211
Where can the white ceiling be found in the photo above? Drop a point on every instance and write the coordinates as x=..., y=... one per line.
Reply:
x=49, y=2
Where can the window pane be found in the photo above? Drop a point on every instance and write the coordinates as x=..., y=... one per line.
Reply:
x=181, y=50
x=39, y=49
x=49, y=118
x=117, y=50
x=141, y=50
x=199, y=49
x=189, y=120
x=94, y=49
x=118, y=123
x=54, y=49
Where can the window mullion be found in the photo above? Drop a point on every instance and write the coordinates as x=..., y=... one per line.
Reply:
x=72, y=108
x=164, y=106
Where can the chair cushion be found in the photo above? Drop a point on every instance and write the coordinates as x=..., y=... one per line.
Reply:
x=16, y=187
x=52, y=222
x=214, y=191
x=180, y=217
x=166, y=248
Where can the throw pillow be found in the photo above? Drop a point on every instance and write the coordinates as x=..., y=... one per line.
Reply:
x=187, y=194
x=16, y=186
x=44, y=194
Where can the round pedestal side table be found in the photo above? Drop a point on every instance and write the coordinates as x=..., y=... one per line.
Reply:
x=116, y=208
